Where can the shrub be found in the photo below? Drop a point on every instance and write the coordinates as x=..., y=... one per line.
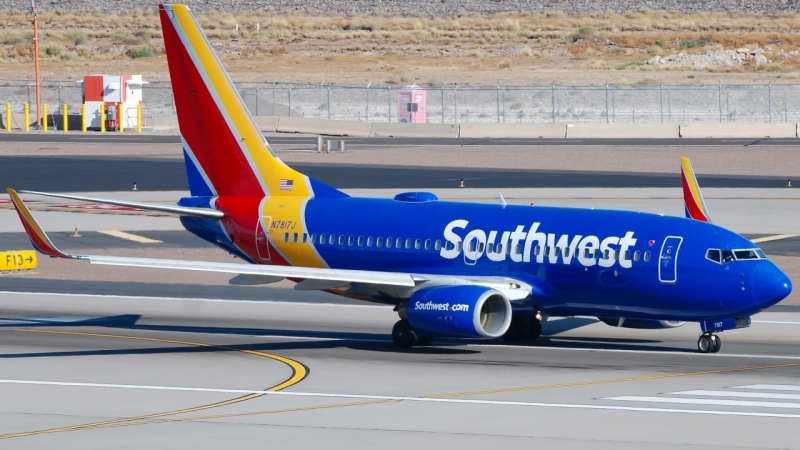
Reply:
x=77, y=37
x=141, y=52
x=654, y=50
x=662, y=43
x=52, y=50
x=630, y=65
x=69, y=56
x=583, y=33
x=692, y=43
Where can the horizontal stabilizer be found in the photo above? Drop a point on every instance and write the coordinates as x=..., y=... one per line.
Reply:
x=204, y=213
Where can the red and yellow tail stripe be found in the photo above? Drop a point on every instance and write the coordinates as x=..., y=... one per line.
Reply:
x=692, y=198
x=37, y=236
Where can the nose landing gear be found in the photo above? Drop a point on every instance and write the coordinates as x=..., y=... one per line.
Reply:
x=709, y=343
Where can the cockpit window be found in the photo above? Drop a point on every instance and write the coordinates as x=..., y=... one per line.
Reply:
x=745, y=254
x=713, y=255
x=726, y=256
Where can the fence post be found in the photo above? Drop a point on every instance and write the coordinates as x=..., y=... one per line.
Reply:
x=553, y=102
x=613, y=106
x=44, y=117
x=102, y=118
x=661, y=101
x=27, y=112
x=83, y=117
x=274, y=113
x=389, y=103
x=120, y=118
x=442, y=102
x=290, y=101
x=65, y=118
x=455, y=102
x=256, y=98
x=607, y=118
x=497, y=100
x=366, y=115
x=329, y=103
x=719, y=96
x=669, y=104
x=769, y=98
x=785, y=107
x=139, y=118
x=504, y=104
x=8, y=117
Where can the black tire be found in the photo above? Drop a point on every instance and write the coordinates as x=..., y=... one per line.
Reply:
x=704, y=344
x=533, y=331
x=516, y=330
x=424, y=341
x=403, y=335
x=717, y=344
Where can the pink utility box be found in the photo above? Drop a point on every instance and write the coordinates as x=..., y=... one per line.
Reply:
x=412, y=105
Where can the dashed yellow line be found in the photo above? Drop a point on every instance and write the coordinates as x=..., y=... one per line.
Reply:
x=299, y=372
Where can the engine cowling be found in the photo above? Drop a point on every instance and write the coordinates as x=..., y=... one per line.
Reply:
x=458, y=311
x=644, y=324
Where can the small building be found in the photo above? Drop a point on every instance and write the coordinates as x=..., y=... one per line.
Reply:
x=111, y=90
x=412, y=105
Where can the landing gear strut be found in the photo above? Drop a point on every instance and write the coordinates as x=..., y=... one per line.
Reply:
x=523, y=328
x=709, y=343
x=404, y=336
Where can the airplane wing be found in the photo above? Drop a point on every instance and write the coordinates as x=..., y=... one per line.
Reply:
x=694, y=204
x=205, y=213
x=43, y=244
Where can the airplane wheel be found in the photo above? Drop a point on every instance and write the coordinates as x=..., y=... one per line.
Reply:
x=717, y=344
x=403, y=335
x=424, y=341
x=516, y=330
x=533, y=331
x=705, y=344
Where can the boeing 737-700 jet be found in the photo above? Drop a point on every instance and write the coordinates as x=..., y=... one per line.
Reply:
x=452, y=269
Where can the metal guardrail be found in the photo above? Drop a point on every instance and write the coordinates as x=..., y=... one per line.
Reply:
x=768, y=103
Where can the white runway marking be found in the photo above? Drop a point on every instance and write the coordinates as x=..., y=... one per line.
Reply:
x=773, y=238
x=703, y=401
x=426, y=400
x=765, y=395
x=130, y=237
x=769, y=387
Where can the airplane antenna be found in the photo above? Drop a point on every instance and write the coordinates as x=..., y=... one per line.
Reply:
x=502, y=200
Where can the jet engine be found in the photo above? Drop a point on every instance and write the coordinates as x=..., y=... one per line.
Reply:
x=458, y=311
x=645, y=324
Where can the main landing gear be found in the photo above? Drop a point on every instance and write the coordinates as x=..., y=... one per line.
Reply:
x=709, y=343
x=404, y=336
x=523, y=328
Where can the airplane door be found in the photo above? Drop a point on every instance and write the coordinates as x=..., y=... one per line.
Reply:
x=262, y=242
x=668, y=259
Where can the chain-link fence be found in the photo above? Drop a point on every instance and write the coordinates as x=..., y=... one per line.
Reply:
x=498, y=104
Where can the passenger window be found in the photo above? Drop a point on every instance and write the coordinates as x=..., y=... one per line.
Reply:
x=341, y=239
x=361, y=241
x=472, y=246
x=313, y=238
x=305, y=238
x=605, y=254
x=499, y=248
x=332, y=239
x=459, y=246
x=379, y=242
x=448, y=245
x=418, y=244
x=427, y=244
x=518, y=249
x=369, y=241
x=490, y=248
x=727, y=256
x=745, y=254
x=587, y=253
x=558, y=251
x=437, y=245
x=714, y=255
x=566, y=252
x=547, y=250
x=408, y=242
x=322, y=238
x=627, y=255
x=351, y=240
x=480, y=247
x=294, y=238
x=286, y=237
x=398, y=243
x=537, y=250
x=646, y=256
x=636, y=255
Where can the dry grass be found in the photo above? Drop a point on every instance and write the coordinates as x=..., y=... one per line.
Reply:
x=275, y=43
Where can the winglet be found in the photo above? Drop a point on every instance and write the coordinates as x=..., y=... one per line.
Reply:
x=37, y=236
x=693, y=201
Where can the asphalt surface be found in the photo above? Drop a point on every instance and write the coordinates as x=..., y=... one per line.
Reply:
x=101, y=372
x=82, y=174
x=130, y=138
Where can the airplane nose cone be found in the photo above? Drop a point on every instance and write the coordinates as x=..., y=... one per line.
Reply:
x=770, y=284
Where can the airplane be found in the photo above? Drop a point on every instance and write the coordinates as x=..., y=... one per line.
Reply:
x=451, y=269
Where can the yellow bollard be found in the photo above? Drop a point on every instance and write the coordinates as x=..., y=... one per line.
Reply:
x=120, y=118
x=138, y=118
x=65, y=125
x=8, y=116
x=83, y=117
x=44, y=117
x=27, y=124
x=102, y=118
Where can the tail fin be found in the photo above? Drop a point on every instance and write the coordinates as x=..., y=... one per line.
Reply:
x=226, y=154
x=693, y=201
